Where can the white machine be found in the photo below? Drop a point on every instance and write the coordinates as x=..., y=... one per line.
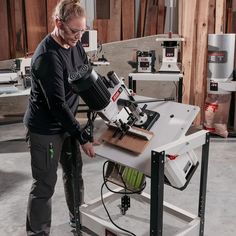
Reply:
x=170, y=54
x=168, y=154
x=89, y=40
x=145, y=61
x=170, y=45
x=221, y=81
x=90, y=45
x=15, y=75
x=221, y=49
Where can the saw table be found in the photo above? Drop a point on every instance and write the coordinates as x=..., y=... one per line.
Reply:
x=170, y=137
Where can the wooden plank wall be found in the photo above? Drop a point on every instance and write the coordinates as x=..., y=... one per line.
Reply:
x=23, y=23
x=198, y=19
x=4, y=32
x=121, y=22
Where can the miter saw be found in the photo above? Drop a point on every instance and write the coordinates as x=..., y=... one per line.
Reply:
x=113, y=101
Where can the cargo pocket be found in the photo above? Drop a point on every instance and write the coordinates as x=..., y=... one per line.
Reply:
x=39, y=157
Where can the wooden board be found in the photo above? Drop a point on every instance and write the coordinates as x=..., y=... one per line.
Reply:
x=180, y=16
x=161, y=17
x=189, y=14
x=4, y=39
x=141, y=19
x=229, y=21
x=127, y=19
x=101, y=25
x=211, y=17
x=51, y=4
x=102, y=9
x=17, y=28
x=151, y=18
x=234, y=18
x=129, y=142
x=36, y=22
x=201, y=58
x=234, y=24
x=114, y=24
x=220, y=16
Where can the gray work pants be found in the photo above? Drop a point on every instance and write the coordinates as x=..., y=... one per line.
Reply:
x=46, y=152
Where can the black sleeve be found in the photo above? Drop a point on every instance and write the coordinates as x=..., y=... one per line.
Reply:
x=48, y=70
x=82, y=53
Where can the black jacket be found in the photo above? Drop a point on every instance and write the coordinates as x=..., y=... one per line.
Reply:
x=52, y=104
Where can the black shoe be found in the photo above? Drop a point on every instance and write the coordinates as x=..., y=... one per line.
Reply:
x=72, y=223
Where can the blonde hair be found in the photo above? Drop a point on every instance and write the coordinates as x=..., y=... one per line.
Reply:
x=66, y=9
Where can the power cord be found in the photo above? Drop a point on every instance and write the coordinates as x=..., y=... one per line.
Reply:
x=125, y=187
x=125, y=198
x=108, y=214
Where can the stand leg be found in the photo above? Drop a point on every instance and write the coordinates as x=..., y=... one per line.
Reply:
x=180, y=90
x=203, y=184
x=75, y=187
x=157, y=193
x=130, y=82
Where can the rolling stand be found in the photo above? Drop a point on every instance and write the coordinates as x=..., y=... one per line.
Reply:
x=170, y=138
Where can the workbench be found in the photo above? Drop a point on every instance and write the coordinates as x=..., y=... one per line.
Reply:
x=170, y=137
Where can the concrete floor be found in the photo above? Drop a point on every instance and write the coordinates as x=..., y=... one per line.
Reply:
x=15, y=182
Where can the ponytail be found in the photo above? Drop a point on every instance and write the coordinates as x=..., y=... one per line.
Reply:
x=66, y=9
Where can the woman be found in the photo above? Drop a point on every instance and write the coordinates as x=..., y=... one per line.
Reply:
x=50, y=116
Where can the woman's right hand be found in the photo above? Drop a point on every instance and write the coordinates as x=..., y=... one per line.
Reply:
x=88, y=149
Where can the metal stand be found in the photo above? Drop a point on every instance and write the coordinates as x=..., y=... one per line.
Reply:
x=174, y=77
x=157, y=188
x=170, y=129
x=194, y=223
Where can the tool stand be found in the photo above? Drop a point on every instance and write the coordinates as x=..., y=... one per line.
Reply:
x=170, y=137
x=170, y=77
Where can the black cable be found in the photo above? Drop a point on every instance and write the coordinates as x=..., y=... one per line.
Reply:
x=125, y=187
x=127, y=231
x=125, y=193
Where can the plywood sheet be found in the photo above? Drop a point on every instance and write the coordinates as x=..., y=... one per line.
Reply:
x=129, y=142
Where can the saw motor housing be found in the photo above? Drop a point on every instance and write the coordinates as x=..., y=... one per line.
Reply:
x=111, y=99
